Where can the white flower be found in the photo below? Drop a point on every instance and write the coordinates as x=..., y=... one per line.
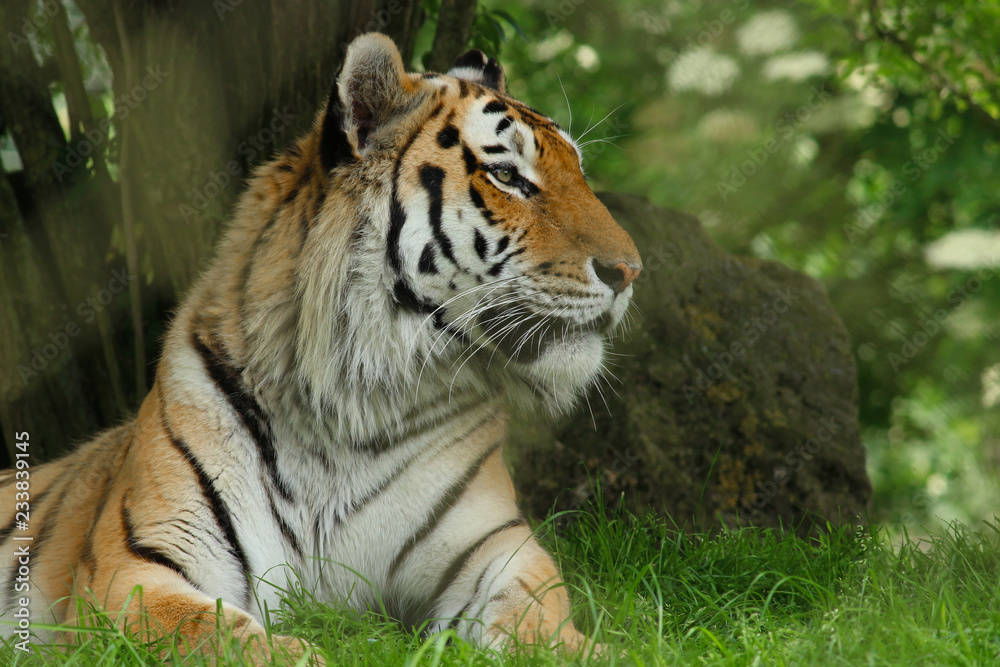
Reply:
x=702, y=69
x=965, y=249
x=587, y=58
x=727, y=125
x=768, y=32
x=549, y=48
x=796, y=66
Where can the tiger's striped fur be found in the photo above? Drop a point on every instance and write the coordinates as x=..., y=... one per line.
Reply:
x=332, y=394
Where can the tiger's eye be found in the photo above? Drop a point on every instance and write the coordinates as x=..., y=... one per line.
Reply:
x=503, y=175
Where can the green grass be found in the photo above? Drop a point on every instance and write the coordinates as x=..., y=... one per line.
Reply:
x=740, y=598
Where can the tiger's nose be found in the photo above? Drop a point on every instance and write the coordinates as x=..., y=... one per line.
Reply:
x=617, y=277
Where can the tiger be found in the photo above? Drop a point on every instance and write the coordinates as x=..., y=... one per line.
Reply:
x=330, y=404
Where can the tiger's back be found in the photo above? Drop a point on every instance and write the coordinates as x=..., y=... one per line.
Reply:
x=331, y=398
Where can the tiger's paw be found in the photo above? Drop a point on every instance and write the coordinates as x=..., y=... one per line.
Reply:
x=571, y=642
x=296, y=649
x=292, y=649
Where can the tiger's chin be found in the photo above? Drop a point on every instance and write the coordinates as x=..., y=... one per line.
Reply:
x=564, y=370
x=555, y=360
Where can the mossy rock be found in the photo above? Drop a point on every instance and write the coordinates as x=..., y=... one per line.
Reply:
x=735, y=400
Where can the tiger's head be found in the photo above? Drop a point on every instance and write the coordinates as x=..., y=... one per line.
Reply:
x=477, y=237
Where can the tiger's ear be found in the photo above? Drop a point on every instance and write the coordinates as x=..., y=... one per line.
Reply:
x=476, y=67
x=373, y=88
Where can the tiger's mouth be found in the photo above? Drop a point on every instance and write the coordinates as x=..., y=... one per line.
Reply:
x=523, y=336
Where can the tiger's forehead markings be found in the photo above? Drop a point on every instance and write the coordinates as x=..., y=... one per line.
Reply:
x=533, y=119
x=495, y=106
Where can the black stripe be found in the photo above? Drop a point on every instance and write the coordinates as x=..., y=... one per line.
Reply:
x=179, y=539
x=524, y=587
x=496, y=268
x=463, y=88
x=471, y=163
x=475, y=592
x=405, y=297
x=495, y=106
x=477, y=201
x=504, y=124
x=501, y=245
x=480, y=244
x=146, y=553
x=285, y=529
x=192, y=539
x=228, y=379
x=458, y=564
x=8, y=529
x=453, y=333
x=534, y=116
x=444, y=503
x=527, y=187
x=397, y=217
x=448, y=137
x=318, y=203
x=363, y=502
x=215, y=502
x=494, y=149
x=297, y=189
x=200, y=535
x=426, y=264
x=432, y=178
x=385, y=442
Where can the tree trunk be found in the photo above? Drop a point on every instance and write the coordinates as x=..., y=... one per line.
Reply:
x=453, y=30
x=203, y=91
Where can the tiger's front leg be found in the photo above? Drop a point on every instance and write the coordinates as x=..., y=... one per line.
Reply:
x=155, y=557
x=498, y=583
x=517, y=593
x=152, y=601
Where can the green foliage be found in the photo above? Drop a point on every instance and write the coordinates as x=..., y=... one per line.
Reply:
x=489, y=30
x=943, y=52
x=656, y=597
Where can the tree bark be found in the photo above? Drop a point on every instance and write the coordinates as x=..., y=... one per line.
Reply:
x=453, y=30
x=202, y=92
